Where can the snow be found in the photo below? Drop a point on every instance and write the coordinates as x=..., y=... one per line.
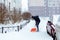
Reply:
x=56, y=21
x=55, y=18
x=58, y=31
x=25, y=34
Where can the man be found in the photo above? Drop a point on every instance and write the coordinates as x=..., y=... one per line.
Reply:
x=51, y=30
x=37, y=21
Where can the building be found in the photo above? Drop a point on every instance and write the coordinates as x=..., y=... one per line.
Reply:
x=44, y=8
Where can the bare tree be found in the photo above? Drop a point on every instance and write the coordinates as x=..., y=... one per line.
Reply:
x=3, y=11
x=16, y=16
x=26, y=15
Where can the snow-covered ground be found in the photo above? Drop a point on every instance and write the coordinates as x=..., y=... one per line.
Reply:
x=26, y=34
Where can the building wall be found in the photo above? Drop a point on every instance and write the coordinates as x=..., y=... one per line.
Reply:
x=44, y=8
x=37, y=10
x=36, y=2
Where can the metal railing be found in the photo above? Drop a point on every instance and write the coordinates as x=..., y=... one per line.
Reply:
x=5, y=29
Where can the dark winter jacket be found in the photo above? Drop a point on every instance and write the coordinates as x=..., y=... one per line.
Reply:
x=36, y=18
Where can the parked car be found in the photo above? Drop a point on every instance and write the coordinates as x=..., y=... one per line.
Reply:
x=51, y=30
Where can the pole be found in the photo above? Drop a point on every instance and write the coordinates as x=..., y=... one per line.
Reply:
x=9, y=6
x=18, y=28
x=2, y=29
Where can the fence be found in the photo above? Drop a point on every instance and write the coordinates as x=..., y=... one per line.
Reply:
x=6, y=29
x=13, y=28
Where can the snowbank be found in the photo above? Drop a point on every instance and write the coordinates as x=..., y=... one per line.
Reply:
x=25, y=34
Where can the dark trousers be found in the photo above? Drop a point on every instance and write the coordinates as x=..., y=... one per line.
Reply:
x=37, y=25
x=53, y=36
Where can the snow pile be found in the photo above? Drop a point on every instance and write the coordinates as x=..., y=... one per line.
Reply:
x=25, y=34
